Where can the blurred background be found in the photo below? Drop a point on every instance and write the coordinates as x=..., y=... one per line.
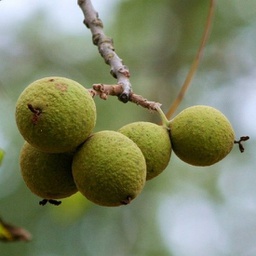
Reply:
x=186, y=211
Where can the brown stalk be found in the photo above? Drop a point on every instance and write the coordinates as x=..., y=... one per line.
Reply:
x=195, y=63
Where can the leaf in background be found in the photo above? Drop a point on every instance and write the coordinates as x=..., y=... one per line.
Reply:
x=1, y=156
x=10, y=233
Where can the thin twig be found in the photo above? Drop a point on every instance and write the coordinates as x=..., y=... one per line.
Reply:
x=106, y=48
x=123, y=88
x=195, y=63
x=103, y=90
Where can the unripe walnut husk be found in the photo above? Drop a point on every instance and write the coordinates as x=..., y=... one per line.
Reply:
x=201, y=135
x=154, y=142
x=55, y=114
x=109, y=169
x=47, y=175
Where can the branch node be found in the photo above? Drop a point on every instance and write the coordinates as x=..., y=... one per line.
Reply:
x=113, y=73
x=80, y=2
x=97, y=22
x=92, y=92
x=124, y=71
x=85, y=23
x=124, y=97
x=96, y=39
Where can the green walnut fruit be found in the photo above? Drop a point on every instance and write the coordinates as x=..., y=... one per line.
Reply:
x=48, y=176
x=55, y=114
x=109, y=169
x=201, y=135
x=154, y=142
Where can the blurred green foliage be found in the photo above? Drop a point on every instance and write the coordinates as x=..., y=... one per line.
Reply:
x=186, y=210
x=1, y=155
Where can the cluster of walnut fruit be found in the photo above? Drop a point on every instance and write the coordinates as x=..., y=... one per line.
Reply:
x=62, y=155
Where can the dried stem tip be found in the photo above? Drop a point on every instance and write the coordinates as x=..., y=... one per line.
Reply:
x=127, y=200
x=36, y=112
x=239, y=142
x=51, y=201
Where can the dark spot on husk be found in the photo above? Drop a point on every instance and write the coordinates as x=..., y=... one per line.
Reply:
x=36, y=113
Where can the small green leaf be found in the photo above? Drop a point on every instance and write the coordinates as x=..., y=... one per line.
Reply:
x=5, y=234
x=1, y=156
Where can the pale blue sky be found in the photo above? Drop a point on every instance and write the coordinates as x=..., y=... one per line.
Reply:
x=65, y=12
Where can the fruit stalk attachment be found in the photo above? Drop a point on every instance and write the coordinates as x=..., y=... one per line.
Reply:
x=165, y=121
x=195, y=64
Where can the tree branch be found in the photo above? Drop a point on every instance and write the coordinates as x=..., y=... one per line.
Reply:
x=123, y=88
x=103, y=90
x=106, y=48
